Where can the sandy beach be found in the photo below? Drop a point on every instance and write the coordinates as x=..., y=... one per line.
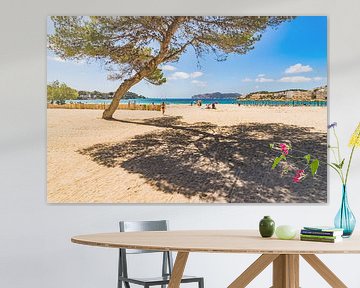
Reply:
x=190, y=155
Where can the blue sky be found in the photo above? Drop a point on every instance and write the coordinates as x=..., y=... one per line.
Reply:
x=292, y=56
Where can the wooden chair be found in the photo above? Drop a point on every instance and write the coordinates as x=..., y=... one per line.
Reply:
x=167, y=262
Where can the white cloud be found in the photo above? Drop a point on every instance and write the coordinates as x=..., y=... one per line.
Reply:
x=295, y=79
x=196, y=74
x=298, y=68
x=261, y=75
x=262, y=80
x=168, y=68
x=246, y=80
x=318, y=78
x=184, y=75
x=199, y=83
x=179, y=75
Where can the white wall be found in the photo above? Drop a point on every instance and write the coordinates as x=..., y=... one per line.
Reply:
x=35, y=248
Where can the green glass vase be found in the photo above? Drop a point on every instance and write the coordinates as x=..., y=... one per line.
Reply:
x=267, y=227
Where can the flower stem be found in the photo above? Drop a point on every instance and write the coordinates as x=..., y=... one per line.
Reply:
x=337, y=171
x=337, y=142
x=333, y=152
x=339, y=155
x=351, y=156
x=348, y=167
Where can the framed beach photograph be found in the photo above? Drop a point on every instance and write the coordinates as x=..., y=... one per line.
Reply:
x=187, y=109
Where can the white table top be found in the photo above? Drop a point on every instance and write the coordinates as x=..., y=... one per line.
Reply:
x=217, y=241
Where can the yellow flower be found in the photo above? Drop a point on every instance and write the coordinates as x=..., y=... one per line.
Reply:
x=355, y=138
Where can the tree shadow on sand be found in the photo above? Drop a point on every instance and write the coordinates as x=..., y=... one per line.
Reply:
x=217, y=163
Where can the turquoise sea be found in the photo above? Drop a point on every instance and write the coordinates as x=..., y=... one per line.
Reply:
x=188, y=101
x=281, y=103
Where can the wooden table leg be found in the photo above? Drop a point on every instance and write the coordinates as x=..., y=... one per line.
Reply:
x=324, y=271
x=293, y=264
x=286, y=271
x=178, y=270
x=253, y=270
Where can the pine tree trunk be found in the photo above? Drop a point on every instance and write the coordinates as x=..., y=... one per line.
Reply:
x=119, y=94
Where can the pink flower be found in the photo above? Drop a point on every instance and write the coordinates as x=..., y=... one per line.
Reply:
x=284, y=148
x=299, y=175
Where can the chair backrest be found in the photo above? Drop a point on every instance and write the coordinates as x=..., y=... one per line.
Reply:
x=133, y=226
x=137, y=226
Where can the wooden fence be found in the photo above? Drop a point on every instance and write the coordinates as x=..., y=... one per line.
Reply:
x=130, y=106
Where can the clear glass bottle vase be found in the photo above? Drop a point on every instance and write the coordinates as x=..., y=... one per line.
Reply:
x=345, y=219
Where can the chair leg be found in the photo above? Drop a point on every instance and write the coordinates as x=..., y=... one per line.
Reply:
x=164, y=266
x=201, y=283
x=120, y=273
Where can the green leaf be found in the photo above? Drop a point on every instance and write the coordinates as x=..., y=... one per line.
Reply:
x=339, y=166
x=307, y=157
x=277, y=161
x=272, y=145
x=336, y=165
x=342, y=163
x=314, y=166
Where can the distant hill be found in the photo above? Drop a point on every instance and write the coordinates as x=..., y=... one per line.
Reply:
x=319, y=93
x=132, y=95
x=216, y=95
x=84, y=95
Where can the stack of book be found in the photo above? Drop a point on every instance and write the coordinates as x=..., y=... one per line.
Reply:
x=321, y=234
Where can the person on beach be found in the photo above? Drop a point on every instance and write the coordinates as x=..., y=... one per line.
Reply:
x=163, y=108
